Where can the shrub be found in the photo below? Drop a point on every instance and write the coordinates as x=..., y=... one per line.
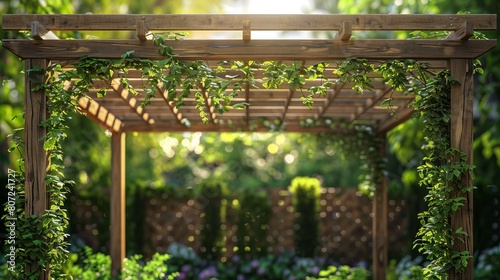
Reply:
x=211, y=195
x=305, y=195
x=254, y=211
x=488, y=265
x=269, y=267
x=342, y=272
x=92, y=266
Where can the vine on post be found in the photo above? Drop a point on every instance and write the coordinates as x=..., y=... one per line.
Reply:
x=440, y=173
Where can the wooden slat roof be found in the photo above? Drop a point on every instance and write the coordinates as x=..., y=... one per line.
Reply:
x=279, y=108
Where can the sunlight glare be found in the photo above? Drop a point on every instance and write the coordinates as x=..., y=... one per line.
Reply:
x=272, y=148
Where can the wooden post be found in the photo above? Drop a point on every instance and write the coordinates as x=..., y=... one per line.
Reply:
x=117, y=229
x=461, y=138
x=379, y=226
x=36, y=158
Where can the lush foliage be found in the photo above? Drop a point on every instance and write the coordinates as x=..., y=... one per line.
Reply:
x=44, y=237
x=87, y=265
x=305, y=196
x=440, y=174
x=182, y=263
x=271, y=267
x=342, y=272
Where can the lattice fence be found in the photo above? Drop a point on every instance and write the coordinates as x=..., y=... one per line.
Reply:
x=345, y=218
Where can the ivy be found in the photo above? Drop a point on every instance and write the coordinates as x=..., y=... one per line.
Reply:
x=439, y=173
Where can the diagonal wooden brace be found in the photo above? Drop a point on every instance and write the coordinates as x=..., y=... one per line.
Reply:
x=39, y=32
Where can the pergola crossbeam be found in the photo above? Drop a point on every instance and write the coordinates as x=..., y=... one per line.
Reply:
x=379, y=94
x=173, y=108
x=331, y=96
x=209, y=105
x=259, y=22
x=254, y=50
x=100, y=115
x=134, y=104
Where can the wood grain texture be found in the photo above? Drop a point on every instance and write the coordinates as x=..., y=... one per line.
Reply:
x=100, y=114
x=39, y=32
x=117, y=207
x=36, y=158
x=259, y=22
x=462, y=102
x=379, y=226
x=256, y=50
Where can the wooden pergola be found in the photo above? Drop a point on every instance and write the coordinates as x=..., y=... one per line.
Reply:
x=120, y=112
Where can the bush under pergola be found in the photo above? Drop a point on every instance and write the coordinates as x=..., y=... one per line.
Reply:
x=334, y=105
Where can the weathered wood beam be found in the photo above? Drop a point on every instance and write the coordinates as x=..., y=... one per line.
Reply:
x=259, y=22
x=461, y=128
x=255, y=50
x=36, y=159
x=100, y=115
x=235, y=125
x=209, y=105
x=122, y=92
x=331, y=97
x=400, y=116
x=285, y=108
x=379, y=223
x=173, y=109
x=117, y=207
x=379, y=94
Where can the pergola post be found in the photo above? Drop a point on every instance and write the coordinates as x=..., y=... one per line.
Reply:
x=462, y=101
x=36, y=158
x=117, y=209
x=379, y=222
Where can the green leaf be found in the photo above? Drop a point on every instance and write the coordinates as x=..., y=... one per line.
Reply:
x=127, y=54
x=50, y=144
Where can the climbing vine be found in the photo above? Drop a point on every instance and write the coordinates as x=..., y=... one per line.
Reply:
x=44, y=238
x=440, y=174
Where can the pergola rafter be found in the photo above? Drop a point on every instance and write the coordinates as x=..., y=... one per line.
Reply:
x=340, y=104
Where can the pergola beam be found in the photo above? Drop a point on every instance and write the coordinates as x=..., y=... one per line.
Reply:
x=173, y=108
x=254, y=50
x=100, y=115
x=400, y=116
x=224, y=22
x=379, y=94
x=134, y=104
x=331, y=97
